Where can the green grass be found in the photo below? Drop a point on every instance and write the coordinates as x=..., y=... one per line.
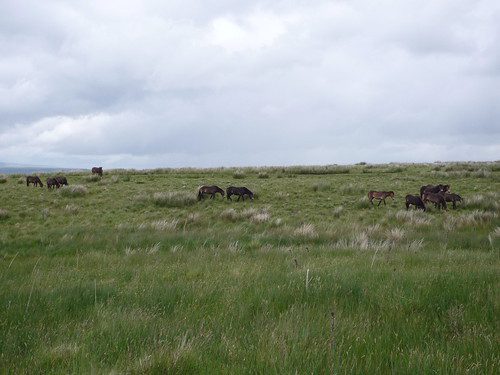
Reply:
x=136, y=276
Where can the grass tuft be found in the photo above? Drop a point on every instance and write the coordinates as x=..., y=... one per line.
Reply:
x=73, y=191
x=93, y=178
x=239, y=174
x=174, y=199
x=3, y=179
x=4, y=214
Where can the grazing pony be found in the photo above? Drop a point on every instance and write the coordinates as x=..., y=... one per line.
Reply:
x=62, y=180
x=380, y=196
x=52, y=183
x=97, y=170
x=437, y=199
x=35, y=180
x=450, y=197
x=434, y=189
x=209, y=190
x=414, y=200
x=239, y=191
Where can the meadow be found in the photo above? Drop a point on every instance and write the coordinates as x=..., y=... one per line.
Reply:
x=129, y=273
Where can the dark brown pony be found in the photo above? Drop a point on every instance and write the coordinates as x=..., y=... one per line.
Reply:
x=433, y=189
x=62, y=180
x=239, y=191
x=52, y=183
x=453, y=198
x=437, y=199
x=380, y=196
x=209, y=190
x=97, y=170
x=414, y=200
x=35, y=180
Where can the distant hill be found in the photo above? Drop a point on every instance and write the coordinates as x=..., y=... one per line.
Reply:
x=11, y=168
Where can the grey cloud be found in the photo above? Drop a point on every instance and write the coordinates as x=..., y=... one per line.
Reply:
x=247, y=83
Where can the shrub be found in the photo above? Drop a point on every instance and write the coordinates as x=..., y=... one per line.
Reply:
x=263, y=175
x=92, y=178
x=174, y=199
x=4, y=214
x=21, y=180
x=3, y=179
x=482, y=173
x=73, y=191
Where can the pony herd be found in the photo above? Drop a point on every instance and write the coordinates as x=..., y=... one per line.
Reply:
x=56, y=182
x=52, y=182
x=436, y=194
x=241, y=192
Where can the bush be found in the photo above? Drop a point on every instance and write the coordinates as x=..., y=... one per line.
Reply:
x=174, y=199
x=3, y=179
x=73, y=191
x=263, y=175
x=21, y=180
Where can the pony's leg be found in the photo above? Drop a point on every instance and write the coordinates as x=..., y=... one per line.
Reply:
x=384, y=201
x=237, y=200
x=379, y=201
x=407, y=206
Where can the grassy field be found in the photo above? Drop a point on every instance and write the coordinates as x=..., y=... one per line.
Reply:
x=131, y=274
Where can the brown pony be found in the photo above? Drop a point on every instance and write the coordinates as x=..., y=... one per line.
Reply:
x=434, y=189
x=62, y=180
x=414, y=200
x=437, y=199
x=209, y=190
x=380, y=195
x=97, y=170
x=453, y=198
x=35, y=180
x=239, y=191
x=52, y=183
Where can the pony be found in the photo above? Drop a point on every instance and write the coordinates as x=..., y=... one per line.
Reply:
x=209, y=190
x=52, y=183
x=414, y=200
x=380, y=196
x=437, y=199
x=434, y=189
x=239, y=191
x=35, y=180
x=453, y=198
x=62, y=180
x=97, y=170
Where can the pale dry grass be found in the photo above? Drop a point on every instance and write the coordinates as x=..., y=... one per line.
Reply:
x=73, y=191
x=470, y=219
x=306, y=231
x=160, y=225
x=414, y=217
x=4, y=214
x=71, y=209
x=148, y=250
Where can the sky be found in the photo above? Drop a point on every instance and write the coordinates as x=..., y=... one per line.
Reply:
x=146, y=84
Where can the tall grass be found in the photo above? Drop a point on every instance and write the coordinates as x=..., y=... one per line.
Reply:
x=73, y=191
x=174, y=199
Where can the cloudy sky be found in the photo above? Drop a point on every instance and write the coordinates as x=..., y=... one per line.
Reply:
x=216, y=82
